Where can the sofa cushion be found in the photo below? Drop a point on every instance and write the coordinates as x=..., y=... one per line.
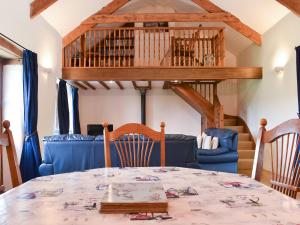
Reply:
x=225, y=136
x=211, y=152
x=221, y=158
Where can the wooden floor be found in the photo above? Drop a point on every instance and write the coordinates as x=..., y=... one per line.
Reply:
x=266, y=177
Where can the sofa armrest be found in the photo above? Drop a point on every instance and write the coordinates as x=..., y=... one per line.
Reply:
x=46, y=169
x=211, y=152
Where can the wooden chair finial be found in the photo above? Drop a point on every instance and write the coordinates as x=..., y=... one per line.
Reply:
x=6, y=124
x=105, y=124
x=263, y=122
x=162, y=125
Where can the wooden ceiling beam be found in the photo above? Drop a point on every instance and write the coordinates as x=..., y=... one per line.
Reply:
x=161, y=73
x=119, y=84
x=161, y=17
x=38, y=6
x=104, y=85
x=89, y=85
x=293, y=5
x=236, y=25
x=81, y=29
x=136, y=87
x=79, y=85
x=10, y=47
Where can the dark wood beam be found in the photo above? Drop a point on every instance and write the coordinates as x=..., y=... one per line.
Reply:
x=79, y=85
x=10, y=47
x=119, y=84
x=137, y=87
x=236, y=25
x=293, y=5
x=161, y=17
x=104, y=85
x=161, y=73
x=89, y=85
x=81, y=29
x=38, y=6
x=134, y=85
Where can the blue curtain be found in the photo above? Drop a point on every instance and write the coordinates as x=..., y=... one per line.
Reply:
x=298, y=76
x=76, y=121
x=63, y=108
x=31, y=156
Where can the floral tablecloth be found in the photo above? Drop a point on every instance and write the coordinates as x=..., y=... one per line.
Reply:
x=197, y=197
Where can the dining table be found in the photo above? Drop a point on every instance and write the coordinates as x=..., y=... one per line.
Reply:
x=195, y=197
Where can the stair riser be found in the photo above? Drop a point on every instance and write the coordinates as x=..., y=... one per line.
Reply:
x=245, y=164
x=244, y=137
x=239, y=129
x=246, y=154
x=230, y=122
x=245, y=145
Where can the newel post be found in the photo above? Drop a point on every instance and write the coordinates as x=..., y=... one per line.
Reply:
x=259, y=152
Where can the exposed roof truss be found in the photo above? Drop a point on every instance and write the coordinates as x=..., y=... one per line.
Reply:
x=38, y=6
x=215, y=14
x=293, y=5
x=236, y=25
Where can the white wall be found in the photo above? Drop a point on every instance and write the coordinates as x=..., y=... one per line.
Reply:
x=275, y=96
x=124, y=106
x=36, y=35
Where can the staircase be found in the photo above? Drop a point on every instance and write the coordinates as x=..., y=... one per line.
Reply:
x=246, y=144
x=202, y=96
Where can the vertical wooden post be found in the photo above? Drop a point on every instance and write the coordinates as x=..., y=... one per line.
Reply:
x=162, y=148
x=259, y=152
x=106, y=145
x=222, y=47
x=12, y=156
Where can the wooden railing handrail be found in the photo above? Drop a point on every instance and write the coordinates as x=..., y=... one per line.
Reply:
x=156, y=28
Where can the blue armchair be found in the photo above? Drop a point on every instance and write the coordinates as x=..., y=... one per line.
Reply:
x=224, y=158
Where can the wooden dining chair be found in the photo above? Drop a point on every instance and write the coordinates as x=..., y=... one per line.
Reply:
x=282, y=142
x=134, y=144
x=7, y=142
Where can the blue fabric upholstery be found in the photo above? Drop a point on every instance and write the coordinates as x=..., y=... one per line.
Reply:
x=222, y=167
x=68, y=153
x=224, y=158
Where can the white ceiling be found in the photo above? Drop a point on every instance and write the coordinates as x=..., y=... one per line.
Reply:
x=261, y=15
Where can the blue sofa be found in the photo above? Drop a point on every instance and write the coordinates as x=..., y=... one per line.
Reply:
x=224, y=158
x=68, y=153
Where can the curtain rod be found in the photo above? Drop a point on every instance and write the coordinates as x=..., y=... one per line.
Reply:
x=13, y=41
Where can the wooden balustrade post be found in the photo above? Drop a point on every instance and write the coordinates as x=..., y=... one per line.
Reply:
x=83, y=50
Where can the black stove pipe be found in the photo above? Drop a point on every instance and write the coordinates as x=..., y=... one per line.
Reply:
x=143, y=106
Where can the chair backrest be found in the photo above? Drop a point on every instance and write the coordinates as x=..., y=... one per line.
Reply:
x=134, y=144
x=284, y=151
x=7, y=141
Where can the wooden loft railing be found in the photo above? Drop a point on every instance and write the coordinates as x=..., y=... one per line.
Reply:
x=146, y=47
